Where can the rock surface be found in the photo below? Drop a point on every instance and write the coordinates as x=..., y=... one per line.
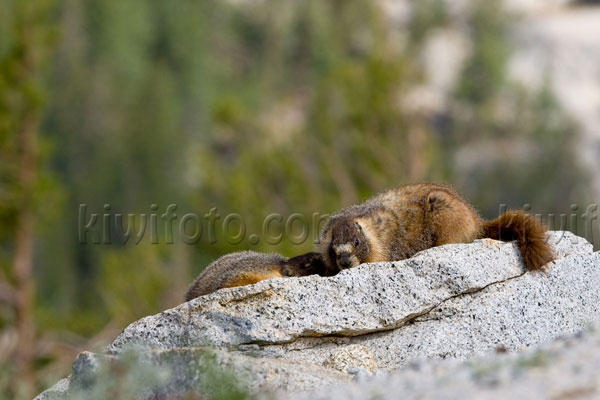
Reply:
x=568, y=368
x=455, y=301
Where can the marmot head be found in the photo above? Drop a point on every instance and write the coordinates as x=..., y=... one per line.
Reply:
x=348, y=245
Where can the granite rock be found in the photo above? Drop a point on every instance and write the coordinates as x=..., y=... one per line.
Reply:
x=295, y=334
x=567, y=368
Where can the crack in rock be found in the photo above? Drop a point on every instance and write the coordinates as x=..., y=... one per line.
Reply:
x=454, y=301
x=364, y=300
x=412, y=318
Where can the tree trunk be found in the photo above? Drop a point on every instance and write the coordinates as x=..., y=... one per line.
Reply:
x=23, y=258
x=24, y=230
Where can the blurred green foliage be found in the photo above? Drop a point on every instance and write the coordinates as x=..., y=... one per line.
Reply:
x=255, y=107
x=195, y=375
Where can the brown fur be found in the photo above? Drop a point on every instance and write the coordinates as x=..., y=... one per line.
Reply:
x=401, y=222
x=249, y=278
x=248, y=267
x=304, y=265
x=529, y=234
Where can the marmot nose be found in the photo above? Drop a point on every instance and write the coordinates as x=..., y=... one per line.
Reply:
x=344, y=261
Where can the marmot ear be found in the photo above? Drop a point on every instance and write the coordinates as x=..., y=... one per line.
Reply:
x=436, y=200
x=358, y=226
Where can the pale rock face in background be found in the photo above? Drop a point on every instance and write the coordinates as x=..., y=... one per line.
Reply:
x=535, y=6
x=561, y=48
x=291, y=335
x=555, y=42
x=444, y=55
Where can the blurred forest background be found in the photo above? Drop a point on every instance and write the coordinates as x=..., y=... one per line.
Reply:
x=253, y=107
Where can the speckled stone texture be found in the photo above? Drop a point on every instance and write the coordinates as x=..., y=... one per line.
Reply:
x=517, y=313
x=454, y=301
x=566, y=369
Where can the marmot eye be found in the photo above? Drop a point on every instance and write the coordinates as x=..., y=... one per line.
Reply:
x=356, y=242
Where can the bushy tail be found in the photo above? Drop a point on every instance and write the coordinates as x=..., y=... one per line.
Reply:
x=529, y=234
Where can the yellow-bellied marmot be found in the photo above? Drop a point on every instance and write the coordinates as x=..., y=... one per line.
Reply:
x=400, y=222
x=248, y=267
